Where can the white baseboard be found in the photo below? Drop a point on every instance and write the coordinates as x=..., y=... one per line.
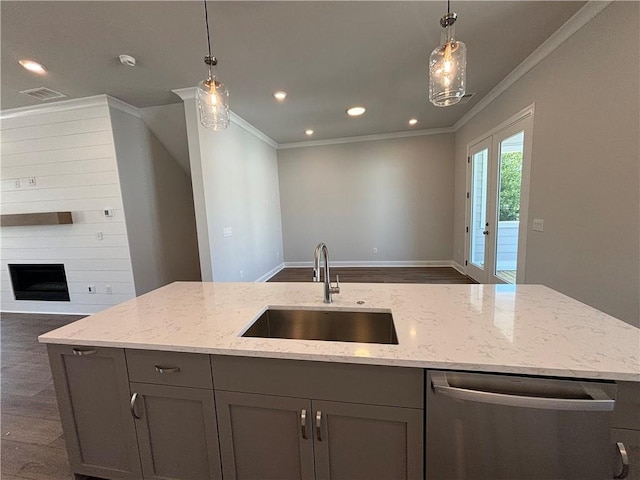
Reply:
x=458, y=267
x=270, y=273
x=342, y=263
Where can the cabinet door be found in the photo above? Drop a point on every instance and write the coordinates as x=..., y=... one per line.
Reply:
x=177, y=432
x=354, y=441
x=631, y=441
x=93, y=397
x=264, y=437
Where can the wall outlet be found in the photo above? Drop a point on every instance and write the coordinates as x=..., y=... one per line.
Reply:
x=227, y=232
x=91, y=288
x=108, y=212
x=16, y=183
x=538, y=225
x=108, y=289
x=99, y=236
x=32, y=182
x=374, y=251
x=241, y=274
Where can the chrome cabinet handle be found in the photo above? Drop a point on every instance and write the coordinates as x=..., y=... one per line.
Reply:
x=160, y=369
x=624, y=456
x=319, y=425
x=303, y=423
x=132, y=406
x=602, y=403
x=84, y=351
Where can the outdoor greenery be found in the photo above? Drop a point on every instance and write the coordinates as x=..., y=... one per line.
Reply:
x=510, y=181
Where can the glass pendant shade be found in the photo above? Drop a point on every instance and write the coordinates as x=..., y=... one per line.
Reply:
x=447, y=70
x=213, y=104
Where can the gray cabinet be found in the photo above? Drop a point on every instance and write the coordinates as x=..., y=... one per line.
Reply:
x=265, y=437
x=348, y=421
x=626, y=423
x=177, y=433
x=361, y=442
x=92, y=388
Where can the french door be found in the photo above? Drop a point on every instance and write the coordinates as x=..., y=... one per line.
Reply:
x=498, y=191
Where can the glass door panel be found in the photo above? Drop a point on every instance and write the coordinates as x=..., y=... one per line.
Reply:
x=509, y=188
x=479, y=263
x=479, y=177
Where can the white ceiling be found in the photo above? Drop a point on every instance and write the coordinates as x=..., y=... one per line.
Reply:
x=326, y=55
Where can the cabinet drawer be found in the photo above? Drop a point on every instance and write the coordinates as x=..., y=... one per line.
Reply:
x=169, y=368
x=366, y=384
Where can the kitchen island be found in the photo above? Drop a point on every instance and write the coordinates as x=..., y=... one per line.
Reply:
x=166, y=386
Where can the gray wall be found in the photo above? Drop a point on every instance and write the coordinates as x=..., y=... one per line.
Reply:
x=395, y=195
x=585, y=164
x=235, y=185
x=158, y=207
x=168, y=124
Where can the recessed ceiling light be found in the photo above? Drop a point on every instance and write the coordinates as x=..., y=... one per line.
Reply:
x=280, y=95
x=32, y=66
x=308, y=131
x=413, y=121
x=356, y=111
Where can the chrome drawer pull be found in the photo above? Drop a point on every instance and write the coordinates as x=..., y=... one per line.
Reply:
x=83, y=351
x=303, y=423
x=132, y=405
x=319, y=425
x=160, y=369
x=624, y=457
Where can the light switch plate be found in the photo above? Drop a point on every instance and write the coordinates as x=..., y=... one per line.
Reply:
x=538, y=225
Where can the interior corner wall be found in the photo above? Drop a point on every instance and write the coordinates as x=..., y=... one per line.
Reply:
x=235, y=177
x=585, y=167
x=395, y=195
x=158, y=206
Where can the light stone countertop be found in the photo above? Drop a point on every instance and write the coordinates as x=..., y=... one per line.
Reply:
x=525, y=329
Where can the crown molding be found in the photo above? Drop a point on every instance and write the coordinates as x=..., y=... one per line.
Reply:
x=123, y=106
x=189, y=93
x=566, y=30
x=59, y=106
x=241, y=122
x=366, y=138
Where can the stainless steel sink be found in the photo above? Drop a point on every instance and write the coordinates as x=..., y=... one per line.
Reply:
x=328, y=325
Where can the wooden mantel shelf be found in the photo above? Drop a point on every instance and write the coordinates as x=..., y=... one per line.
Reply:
x=45, y=218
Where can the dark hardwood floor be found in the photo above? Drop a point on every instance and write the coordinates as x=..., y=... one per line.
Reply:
x=32, y=443
x=379, y=275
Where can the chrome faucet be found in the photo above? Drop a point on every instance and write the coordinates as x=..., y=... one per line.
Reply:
x=328, y=288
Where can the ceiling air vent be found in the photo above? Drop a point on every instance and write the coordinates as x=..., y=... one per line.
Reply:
x=465, y=98
x=43, y=94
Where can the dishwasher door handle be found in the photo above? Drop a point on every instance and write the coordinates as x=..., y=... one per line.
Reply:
x=602, y=403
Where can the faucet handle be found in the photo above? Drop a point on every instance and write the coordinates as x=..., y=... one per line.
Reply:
x=336, y=289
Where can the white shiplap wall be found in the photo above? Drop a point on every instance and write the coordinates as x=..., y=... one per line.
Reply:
x=70, y=152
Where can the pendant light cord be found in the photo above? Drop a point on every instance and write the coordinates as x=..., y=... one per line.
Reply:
x=206, y=19
x=448, y=7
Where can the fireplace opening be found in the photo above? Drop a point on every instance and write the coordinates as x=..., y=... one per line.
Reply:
x=43, y=282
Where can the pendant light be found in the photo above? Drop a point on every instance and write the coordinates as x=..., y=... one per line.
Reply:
x=447, y=65
x=212, y=96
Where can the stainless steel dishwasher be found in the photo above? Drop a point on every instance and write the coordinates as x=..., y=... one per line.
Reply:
x=493, y=427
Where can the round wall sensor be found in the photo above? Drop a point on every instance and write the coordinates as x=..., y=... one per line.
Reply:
x=127, y=60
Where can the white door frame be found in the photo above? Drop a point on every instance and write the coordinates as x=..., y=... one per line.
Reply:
x=522, y=120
